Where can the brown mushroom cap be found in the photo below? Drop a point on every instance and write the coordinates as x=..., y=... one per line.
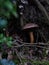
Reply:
x=30, y=26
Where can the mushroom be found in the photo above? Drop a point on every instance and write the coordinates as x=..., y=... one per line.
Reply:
x=30, y=27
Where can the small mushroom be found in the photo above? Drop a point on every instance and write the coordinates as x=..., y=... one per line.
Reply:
x=30, y=27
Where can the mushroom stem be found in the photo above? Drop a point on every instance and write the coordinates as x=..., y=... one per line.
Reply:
x=31, y=37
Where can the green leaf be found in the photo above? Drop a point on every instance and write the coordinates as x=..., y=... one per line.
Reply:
x=15, y=14
x=7, y=8
x=9, y=5
x=9, y=44
x=4, y=39
x=1, y=36
x=6, y=14
x=9, y=38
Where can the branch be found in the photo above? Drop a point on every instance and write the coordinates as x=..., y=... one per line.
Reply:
x=18, y=56
x=41, y=7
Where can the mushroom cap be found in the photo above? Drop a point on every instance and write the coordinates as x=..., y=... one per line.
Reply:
x=30, y=26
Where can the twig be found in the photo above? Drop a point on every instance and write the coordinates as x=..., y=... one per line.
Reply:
x=24, y=43
x=18, y=56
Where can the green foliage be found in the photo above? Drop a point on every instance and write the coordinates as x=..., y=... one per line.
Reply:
x=44, y=53
x=16, y=61
x=40, y=63
x=33, y=62
x=5, y=40
x=7, y=8
x=36, y=62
